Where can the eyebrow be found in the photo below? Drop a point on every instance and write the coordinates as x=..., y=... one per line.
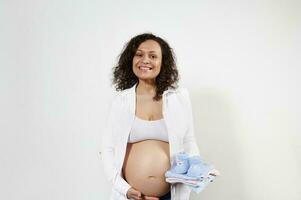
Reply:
x=149, y=51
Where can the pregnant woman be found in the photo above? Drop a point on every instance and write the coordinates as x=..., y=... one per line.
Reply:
x=150, y=121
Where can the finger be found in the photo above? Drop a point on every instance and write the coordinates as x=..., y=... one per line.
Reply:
x=137, y=198
x=150, y=198
x=138, y=195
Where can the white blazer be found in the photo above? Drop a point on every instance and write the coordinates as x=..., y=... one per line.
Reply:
x=179, y=122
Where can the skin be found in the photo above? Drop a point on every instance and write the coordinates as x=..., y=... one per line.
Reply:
x=148, y=54
x=146, y=66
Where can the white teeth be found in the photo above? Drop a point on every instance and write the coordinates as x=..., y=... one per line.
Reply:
x=145, y=68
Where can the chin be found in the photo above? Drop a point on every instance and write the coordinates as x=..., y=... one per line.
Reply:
x=145, y=76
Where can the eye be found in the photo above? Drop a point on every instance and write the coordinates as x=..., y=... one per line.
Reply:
x=138, y=54
x=153, y=56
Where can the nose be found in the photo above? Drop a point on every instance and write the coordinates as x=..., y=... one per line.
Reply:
x=145, y=59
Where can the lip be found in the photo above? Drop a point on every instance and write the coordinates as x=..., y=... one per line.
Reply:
x=144, y=67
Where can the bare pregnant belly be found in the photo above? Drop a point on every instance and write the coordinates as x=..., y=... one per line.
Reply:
x=145, y=165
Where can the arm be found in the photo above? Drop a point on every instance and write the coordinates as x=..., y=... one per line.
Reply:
x=108, y=152
x=190, y=145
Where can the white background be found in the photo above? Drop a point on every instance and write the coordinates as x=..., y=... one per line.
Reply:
x=238, y=59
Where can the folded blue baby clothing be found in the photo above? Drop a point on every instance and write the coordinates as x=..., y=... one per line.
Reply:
x=191, y=171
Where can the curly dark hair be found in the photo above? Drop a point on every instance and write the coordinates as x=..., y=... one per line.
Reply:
x=124, y=77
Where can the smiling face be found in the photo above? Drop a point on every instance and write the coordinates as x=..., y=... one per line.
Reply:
x=147, y=60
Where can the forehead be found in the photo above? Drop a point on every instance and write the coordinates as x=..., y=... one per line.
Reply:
x=149, y=46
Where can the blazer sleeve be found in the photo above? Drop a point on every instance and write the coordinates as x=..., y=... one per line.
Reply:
x=189, y=142
x=108, y=151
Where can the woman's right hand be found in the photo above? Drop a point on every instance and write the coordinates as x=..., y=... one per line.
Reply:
x=135, y=194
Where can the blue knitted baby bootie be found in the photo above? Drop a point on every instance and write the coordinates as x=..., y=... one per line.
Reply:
x=198, y=168
x=180, y=164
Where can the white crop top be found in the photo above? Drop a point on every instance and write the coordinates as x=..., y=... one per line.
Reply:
x=145, y=130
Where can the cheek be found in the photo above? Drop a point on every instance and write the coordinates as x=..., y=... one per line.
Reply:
x=159, y=65
x=134, y=61
x=134, y=64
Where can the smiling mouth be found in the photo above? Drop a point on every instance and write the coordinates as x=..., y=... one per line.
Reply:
x=144, y=68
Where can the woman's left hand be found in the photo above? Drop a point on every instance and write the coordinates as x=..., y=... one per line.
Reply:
x=150, y=198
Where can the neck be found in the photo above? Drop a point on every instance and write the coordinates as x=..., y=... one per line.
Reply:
x=146, y=88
